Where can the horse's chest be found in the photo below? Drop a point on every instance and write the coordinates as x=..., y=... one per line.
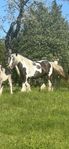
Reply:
x=4, y=77
x=22, y=69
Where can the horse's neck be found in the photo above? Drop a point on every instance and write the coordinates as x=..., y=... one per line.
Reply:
x=24, y=60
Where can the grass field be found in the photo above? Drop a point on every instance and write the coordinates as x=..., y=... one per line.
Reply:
x=35, y=120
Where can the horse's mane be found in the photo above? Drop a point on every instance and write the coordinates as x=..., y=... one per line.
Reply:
x=24, y=58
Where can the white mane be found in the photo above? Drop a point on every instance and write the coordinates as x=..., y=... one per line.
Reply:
x=25, y=61
x=21, y=58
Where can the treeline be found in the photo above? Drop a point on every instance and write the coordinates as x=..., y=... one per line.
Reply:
x=44, y=34
x=2, y=52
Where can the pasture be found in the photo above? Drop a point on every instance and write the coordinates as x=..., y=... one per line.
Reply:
x=34, y=120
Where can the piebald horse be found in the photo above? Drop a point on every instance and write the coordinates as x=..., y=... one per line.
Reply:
x=33, y=69
x=5, y=75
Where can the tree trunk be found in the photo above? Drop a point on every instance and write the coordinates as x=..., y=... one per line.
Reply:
x=14, y=29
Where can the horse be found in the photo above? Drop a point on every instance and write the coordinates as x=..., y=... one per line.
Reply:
x=33, y=69
x=5, y=74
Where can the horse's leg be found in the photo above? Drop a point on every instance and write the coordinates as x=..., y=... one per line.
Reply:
x=1, y=87
x=28, y=88
x=23, y=89
x=10, y=83
x=50, y=88
x=50, y=85
x=43, y=87
x=1, y=90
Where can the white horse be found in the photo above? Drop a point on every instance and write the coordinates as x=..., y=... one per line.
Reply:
x=33, y=69
x=3, y=77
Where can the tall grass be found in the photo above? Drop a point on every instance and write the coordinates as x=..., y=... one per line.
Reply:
x=35, y=120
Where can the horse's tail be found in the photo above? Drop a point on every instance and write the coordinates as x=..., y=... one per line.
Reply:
x=58, y=69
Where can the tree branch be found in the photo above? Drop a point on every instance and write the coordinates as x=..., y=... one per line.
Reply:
x=14, y=27
x=3, y=29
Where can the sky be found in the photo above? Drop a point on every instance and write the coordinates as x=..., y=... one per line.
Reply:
x=65, y=12
x=65, y=7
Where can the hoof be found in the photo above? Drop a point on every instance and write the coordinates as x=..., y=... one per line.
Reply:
x=1, y=90
x=50, y=89
x=12, y=93
x=23, y=90
x=43, y=86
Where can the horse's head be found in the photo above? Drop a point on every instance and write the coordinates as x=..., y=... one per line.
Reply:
x=12, y=60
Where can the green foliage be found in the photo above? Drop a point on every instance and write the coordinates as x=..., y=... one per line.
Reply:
x=60, y=31
x=44, y=34
x=2, y=52
x=35, y=120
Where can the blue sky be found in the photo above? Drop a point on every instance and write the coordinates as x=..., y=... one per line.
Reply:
x=65, y=7
x=65, y=12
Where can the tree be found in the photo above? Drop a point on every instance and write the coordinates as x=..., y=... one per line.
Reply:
x=39, y=32
x=2, y=53
x=36, y=26
x=15, y=26
x=60, y=31
x=44, y=33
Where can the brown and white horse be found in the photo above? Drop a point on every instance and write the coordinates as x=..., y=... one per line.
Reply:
x=33, y=69
x=5, y=75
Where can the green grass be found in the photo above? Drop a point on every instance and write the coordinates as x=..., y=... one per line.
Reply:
x=35, y=120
